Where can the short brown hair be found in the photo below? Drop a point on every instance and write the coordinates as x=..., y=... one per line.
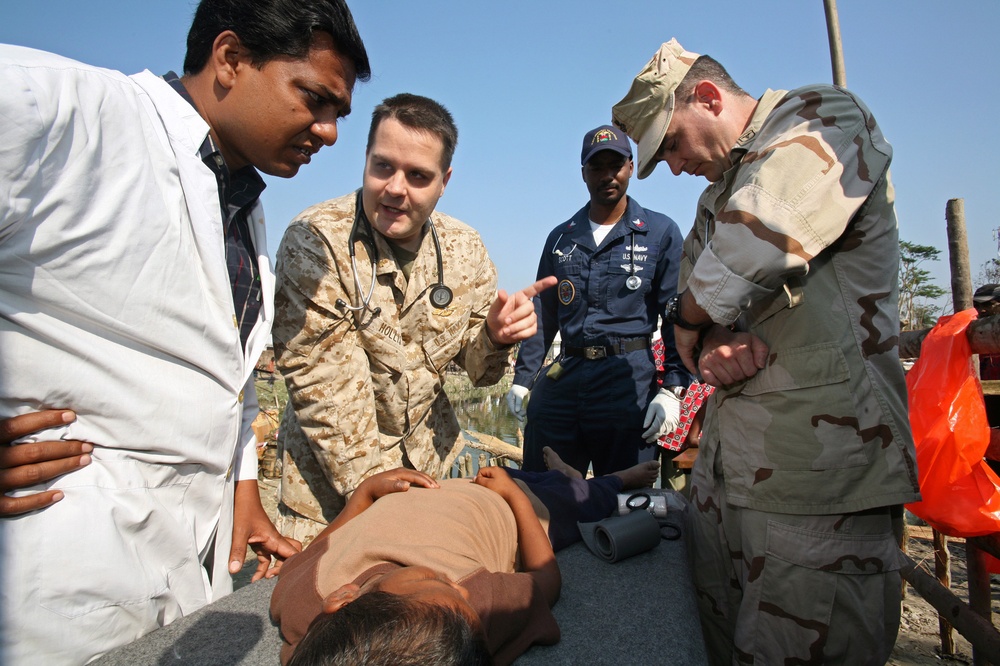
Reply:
x=706, y=67
x=422, y=113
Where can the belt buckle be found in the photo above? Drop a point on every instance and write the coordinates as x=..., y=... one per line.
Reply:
x=594, y=353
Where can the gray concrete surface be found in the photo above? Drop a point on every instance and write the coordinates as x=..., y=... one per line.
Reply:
x=637, y=611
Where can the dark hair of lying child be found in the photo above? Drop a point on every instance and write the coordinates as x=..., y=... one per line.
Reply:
x=383, y=629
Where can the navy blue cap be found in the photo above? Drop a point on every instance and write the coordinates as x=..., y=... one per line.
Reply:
x=605, y=137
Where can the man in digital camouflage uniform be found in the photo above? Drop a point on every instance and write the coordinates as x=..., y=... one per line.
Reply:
x=364, y=360
x=788, y=303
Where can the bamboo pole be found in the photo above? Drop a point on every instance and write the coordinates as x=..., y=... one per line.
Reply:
x=836, y=45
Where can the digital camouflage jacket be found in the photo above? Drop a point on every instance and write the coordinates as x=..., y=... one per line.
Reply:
x=366, y=390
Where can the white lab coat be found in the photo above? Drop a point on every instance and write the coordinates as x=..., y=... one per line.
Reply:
x=115, y=301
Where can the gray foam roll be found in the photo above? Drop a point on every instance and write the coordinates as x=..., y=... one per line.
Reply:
x=619, y=537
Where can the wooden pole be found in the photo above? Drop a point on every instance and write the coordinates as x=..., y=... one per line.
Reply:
x=981, y=634
x=961, y=295
x=979, y=591
x=983, y=334
x=836, y=46
x=958, y=255
x=942, y=570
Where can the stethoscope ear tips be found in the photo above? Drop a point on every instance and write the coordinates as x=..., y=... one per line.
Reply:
x=340, y=304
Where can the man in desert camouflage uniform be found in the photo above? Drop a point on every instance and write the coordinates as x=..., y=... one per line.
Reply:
x=788, y=303
x=364, y=360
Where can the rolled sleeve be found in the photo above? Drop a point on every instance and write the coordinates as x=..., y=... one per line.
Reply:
x=719, y=291
x=816, y=159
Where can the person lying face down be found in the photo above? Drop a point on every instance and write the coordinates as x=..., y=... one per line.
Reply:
x=461, y=571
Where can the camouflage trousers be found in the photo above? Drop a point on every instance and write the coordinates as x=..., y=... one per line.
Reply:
x=777, y=588
x=295, y=525
x=672, y=476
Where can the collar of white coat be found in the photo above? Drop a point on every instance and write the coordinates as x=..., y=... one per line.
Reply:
x=164, y=96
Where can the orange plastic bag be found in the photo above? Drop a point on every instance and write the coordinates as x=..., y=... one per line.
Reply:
x=961, y=494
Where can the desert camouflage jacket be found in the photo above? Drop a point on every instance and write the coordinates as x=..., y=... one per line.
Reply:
x=798, y=244
x=366, y=390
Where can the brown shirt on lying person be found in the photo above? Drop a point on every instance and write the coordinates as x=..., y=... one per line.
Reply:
x=462, y=530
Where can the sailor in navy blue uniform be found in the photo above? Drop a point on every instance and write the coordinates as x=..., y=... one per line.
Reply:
x=599, y=402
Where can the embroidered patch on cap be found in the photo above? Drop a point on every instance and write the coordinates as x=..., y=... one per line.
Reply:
x=603, y=136
x=567, y=292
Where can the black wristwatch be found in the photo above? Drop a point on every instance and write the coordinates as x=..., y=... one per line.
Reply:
x=673, y=315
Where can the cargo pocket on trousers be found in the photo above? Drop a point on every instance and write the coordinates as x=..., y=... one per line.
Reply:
x=809, y=578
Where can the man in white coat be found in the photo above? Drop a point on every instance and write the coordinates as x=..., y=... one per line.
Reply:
x=135, y=290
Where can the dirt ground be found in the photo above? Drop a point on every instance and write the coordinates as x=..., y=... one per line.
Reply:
x=918, y=643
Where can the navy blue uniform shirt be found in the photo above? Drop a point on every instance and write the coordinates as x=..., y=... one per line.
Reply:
x=591, y=304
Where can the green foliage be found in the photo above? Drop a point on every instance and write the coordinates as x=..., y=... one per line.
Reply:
x=916, y=286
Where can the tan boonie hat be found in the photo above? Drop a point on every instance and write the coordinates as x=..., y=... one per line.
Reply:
x=644, y=113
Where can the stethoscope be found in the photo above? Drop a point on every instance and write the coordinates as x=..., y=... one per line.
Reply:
x=440, y=295
x=633, y=282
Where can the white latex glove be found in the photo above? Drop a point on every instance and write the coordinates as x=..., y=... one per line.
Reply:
x=662, y=415
x=515, y=401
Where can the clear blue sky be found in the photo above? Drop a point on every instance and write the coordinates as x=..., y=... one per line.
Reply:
x=525, y=80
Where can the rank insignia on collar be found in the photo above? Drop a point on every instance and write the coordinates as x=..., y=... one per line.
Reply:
x=572, y=223
x=567, y=292
x=639, y=224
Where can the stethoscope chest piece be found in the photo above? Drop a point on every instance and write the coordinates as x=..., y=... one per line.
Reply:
x=633, y=282
x=440, y=296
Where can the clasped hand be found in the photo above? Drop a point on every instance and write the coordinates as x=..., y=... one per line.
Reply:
x=729, y=357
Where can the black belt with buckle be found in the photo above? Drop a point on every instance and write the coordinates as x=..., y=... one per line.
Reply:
x=623, y=346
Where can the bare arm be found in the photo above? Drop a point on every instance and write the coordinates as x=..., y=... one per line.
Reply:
x=537, y=555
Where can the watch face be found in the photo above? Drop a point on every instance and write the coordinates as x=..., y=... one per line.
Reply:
x=671, y=313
